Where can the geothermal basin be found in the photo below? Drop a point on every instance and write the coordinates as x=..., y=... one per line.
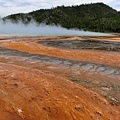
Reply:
x=60, y=77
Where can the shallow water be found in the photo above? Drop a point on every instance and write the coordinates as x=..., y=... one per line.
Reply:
x=88, y=44
x=103, y=78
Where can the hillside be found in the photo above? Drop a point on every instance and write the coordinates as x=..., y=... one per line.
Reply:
x=93, y=17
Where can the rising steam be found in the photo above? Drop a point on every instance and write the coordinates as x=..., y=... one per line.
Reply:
x=33, y=29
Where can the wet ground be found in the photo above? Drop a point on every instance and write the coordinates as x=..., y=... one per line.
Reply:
x=55, y=77
x=102, y=78
x=86, y=44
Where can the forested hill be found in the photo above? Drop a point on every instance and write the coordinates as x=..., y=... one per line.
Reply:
x=93, y=17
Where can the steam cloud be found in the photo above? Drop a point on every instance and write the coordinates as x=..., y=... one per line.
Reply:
x=32, y=29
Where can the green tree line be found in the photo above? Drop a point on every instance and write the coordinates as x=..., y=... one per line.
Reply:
x=93, y=17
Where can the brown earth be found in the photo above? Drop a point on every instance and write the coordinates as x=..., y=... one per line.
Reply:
x=34, y=90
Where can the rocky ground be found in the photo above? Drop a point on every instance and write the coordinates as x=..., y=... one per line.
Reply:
x=56, y=78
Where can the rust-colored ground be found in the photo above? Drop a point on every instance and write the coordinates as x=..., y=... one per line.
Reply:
x=30, y=91
x=83, y=55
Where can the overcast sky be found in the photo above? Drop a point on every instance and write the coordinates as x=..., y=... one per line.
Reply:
x=8, y=7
